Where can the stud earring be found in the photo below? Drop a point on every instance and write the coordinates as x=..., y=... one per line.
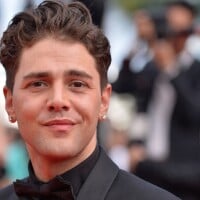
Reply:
x=11, y=119
x=104, y=117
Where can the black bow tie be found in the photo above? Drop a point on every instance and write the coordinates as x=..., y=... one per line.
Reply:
x=56, y=189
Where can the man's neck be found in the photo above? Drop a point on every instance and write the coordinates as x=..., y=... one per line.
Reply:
x=45, y=169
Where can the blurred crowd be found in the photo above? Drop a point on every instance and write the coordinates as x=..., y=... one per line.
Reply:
x=160, y=86
x=153, y=124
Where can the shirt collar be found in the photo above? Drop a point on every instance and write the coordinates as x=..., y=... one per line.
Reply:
x=75, y=176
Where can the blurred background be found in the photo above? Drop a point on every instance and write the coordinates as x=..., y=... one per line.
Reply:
x=153, y=125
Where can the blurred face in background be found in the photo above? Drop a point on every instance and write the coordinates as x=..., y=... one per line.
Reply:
x=180, y=21
x=144, y=25
x=179, y=18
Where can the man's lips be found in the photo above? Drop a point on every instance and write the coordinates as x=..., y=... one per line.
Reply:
x=61, y=125
x=59, y=122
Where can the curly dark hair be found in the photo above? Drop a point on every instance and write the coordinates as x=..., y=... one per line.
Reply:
x=68, y=22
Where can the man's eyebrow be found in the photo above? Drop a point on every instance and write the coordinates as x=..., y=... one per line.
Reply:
x=78, y=73
x=36, y=75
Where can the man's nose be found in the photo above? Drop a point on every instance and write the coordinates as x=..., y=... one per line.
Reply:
x=58, y=99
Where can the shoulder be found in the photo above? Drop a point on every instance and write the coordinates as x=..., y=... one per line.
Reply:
x=128, y=186
x=121, y=184
x=8, y=193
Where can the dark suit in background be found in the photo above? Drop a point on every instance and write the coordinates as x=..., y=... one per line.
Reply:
x=185, y=122
x=179, y=173
x=179, y=170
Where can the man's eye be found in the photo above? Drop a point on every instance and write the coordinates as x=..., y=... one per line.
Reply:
x=38, y=84
x=78, y=84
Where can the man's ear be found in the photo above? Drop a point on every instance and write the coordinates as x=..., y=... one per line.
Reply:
x=105, y=100
x=9, y=104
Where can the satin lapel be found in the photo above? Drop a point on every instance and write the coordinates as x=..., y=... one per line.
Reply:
x=100, y=179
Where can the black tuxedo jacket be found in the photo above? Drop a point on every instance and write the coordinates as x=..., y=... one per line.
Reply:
x=107, y=182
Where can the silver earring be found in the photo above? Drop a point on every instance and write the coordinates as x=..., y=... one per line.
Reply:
x=104, y=117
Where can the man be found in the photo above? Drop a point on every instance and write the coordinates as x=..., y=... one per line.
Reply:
x=180, y=77
x=175, y=111
x=56, y=63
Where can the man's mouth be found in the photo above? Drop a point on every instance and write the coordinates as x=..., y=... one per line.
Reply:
x=60, y=125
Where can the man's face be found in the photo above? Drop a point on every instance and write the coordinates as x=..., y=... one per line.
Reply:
x=179, y=18
x=57, y=100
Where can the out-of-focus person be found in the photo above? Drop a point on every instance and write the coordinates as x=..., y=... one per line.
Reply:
x=137, y=76
x=137, y=71
x=175, y=110
x=179, y=76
